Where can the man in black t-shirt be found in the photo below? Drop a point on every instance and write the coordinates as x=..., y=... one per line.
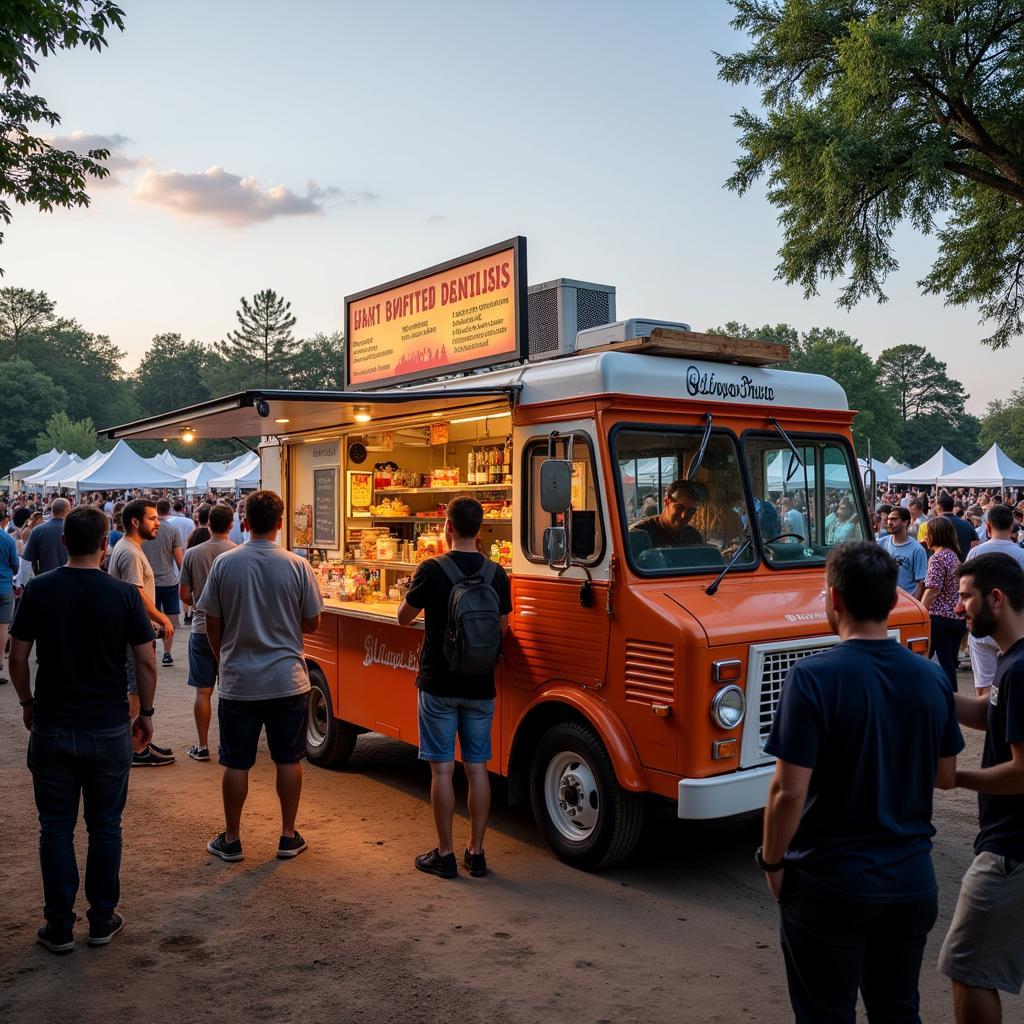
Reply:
x=984, y=948
x=80, y=747
x=863, y=734
x=451, y=704
x=966, y=535
x=672, y=529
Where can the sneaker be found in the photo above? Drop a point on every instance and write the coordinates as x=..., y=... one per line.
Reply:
x=220, y=847
x=4, y=680
x=165, y=751
x=188, y=620
x=168, y=660
x=434, y=864
x=198, y=753
x=101, y=933
x=149, y=758
x=290, y=846
x=476, y=862
x=56, y=939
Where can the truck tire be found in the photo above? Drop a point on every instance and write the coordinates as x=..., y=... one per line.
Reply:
x=585, y=816
x=329, y=741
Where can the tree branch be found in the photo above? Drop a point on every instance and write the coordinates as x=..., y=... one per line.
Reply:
x=1000, y=184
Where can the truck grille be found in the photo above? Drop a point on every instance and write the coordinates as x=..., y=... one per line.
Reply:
x=773, y=674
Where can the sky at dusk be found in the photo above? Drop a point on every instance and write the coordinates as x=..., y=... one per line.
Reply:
x=321, y=148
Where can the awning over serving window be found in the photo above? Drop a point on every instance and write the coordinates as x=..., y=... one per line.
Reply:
x=290, y=413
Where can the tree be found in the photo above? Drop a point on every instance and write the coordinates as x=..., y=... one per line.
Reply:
x=921, y=437
x=68, y=435
x=32, y=172
x=171, y=375
x=918, y=383
x=23, y=310
x=1003, y=424
x=30, y=399
x=318, y=364
x=263, y=348
x=781, y=334
x=883, y=111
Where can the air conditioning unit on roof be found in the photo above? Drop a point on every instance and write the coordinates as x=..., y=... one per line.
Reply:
x=558, y=310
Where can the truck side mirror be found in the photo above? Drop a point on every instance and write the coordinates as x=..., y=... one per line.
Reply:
x=556, y=485
x=555, y=546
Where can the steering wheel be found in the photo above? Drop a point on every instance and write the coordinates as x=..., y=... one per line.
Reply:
x=782, y=536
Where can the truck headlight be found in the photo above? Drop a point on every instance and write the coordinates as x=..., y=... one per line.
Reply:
x=728, y=707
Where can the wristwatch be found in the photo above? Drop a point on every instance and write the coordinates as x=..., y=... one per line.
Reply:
x=147, y=712
x=764, y=865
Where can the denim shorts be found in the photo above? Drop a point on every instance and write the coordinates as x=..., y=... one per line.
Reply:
x=167, y=600
x=441, y=719
x=6, y=608
x=241, y=722
x=202, y=665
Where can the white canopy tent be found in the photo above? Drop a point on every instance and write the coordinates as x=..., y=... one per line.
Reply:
x=895, y=466
x=941, y=464
x=34, y=465
x=245, y=475
x=49, y=476
x=122, y=467
x=171, y=463
x=882, y=471
x=71, y=472
x=785, y=465
x=198, y=479
x=994, y=469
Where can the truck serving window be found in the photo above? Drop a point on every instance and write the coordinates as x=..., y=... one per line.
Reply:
x=810, y=504
x=675, y=523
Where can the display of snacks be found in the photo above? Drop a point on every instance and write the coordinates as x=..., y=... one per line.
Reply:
x=391, y=507
x=446, y=476
x=429, y=545
x=497, y=509
x=406, y=478
x=501, y=552
x=387, y=548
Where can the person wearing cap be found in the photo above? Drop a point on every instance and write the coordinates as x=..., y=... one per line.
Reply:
x=671, y=528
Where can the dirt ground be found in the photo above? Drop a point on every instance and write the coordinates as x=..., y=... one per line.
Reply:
x=349, y=931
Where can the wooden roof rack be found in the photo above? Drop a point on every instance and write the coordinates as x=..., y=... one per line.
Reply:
x=664, y=341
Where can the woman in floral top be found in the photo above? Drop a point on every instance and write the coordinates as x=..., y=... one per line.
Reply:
x=941, y=595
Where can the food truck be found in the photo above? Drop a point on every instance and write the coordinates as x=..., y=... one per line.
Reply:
x=662, y=500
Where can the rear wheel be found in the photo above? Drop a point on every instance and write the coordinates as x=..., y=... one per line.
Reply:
x=587, y=818
x=329, y=741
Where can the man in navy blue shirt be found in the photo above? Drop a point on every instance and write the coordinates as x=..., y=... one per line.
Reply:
x=45, y=550
x=984, y=948
x=864, y=732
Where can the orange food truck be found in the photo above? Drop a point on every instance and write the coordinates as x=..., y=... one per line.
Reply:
x=662, y=500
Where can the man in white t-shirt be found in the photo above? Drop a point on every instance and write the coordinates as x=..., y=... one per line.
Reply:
x=907, y=553
x=984, y=652
x=181, y=522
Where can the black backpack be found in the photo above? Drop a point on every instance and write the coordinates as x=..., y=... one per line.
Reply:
x=472, y=639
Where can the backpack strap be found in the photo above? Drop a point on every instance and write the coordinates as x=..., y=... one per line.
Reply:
x=451, y=570
x=488, y=570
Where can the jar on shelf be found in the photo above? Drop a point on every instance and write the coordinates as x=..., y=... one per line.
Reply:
x=387, y=548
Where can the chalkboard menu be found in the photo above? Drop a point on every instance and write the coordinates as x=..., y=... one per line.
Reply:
x=325, y=507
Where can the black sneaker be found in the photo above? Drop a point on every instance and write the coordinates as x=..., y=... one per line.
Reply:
x=101, y=933
x=163, y=751
x=188, y=620
x=434, y=864
x=168, y=660
x=56, y=939
x=290, y=846
x=220, y=847
x=149, y=758
x=476, y=862
x=198, y=753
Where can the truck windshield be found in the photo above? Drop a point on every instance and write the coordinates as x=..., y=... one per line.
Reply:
x=674, y=524
x=809, y=504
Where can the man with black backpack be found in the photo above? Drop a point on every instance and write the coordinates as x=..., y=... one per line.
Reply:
x=466, y=601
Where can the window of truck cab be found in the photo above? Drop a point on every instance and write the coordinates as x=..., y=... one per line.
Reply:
x=681, y=514
x=811, y=504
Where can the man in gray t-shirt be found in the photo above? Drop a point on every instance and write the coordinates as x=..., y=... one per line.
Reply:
x=258, y=601
x=164, y=552
x=202, y=665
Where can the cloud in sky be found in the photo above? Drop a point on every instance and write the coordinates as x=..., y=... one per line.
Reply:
x=437, y=218
x=81, y=142
x=232, y=199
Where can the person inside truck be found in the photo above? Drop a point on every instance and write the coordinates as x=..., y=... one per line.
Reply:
x=672, y=528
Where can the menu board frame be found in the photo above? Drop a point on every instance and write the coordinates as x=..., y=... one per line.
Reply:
x=358, y=481
x=320, y=539
x=518, y=287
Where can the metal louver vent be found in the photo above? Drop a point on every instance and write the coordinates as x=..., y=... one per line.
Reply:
x=592, y=308
x=650, y=672
x=543, y=321
x=558, y=310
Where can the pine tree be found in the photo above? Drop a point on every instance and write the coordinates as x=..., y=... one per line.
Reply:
x=263, y=348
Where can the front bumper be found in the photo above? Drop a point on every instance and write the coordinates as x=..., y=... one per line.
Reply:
x=725, y=795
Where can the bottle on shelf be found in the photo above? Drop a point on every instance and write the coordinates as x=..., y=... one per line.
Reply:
x=471, y=468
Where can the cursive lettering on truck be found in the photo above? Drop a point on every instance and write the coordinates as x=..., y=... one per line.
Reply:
x=708, y=385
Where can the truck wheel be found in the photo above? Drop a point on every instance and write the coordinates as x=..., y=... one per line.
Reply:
x=329, y=741
x=583, y=813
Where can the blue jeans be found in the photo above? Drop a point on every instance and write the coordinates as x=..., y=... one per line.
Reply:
x=441, y=719
x=93, y=764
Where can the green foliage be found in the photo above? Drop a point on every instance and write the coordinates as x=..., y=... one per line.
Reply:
x=1003, y=424
x=261, y=352
x=68, y=435
x=31, y=171
x=918, y=383
x=318, y=363
x=922, y=436
x=882, y=112
x=22, y=310
x=30, y=399
x=171, y=375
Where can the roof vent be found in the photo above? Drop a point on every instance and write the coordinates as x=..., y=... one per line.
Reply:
x=559, y=310
x=623, y=330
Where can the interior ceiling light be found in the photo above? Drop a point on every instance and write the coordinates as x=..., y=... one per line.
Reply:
x=188, y=435
x=283, y=419
x=362, y=414
x=480, y=419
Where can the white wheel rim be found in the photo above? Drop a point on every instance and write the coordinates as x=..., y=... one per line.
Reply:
x=571, y=796
x=316, y=718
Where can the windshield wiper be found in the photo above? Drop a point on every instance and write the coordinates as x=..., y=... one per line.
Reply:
x=792, y=447
x=699, y=457
x=712, y=587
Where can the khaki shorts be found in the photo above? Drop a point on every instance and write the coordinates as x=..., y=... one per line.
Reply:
x=984, y=947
